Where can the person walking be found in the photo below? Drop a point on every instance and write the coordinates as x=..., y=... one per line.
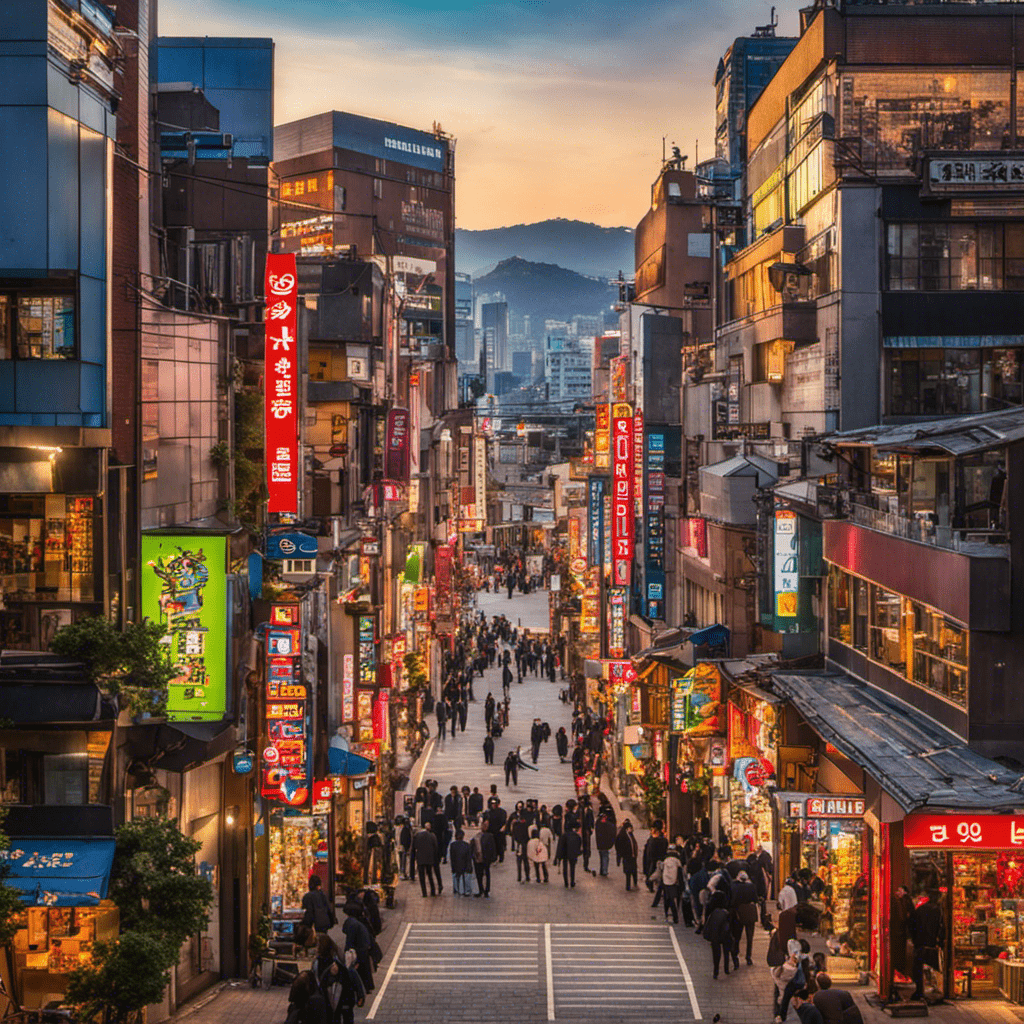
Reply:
x=562, y=743
x=518, y=829
x=927, y=934
x=484, y=851
x=506, y=679
x=317, y=910
x=537, y=852
x=654, y=851
x=488, y=711
x=340, y=986
x=586, y=829
x=671, y=879
x=511, y=768
x=718, y=932
x=626, y=853
x=497, y=818
x=424, y=845
x=461, y=857
x=474, y=805
x=463, y=714
x=453, y=717
x=488, y=749
x=442, y=718
x=453, y=807
x=743, y=909
x=569, y=848
x=536, y=739
x=359, y=939
x=604, y=839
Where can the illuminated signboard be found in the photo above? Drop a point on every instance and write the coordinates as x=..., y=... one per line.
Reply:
x=622, y=494
x=282, y=379
x=960, y=831
x=617, y=622
x=348, y=688
x=367, y=652
x=184, y=590
x=786, y=567
x=595, y=511
x=602, y=436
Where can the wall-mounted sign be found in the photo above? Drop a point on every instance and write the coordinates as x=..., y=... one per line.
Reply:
x=602, y=436
x=282, y=383
x=973, y=173
x=323, y=797
x=367, y=651
x=348, y=688
x=286, y=757
x=291, y=545
x=786, y=568
x=595, y=519
x=396, y=446
x=370, y=547
x=184, y=590
x=964, y=831
x=617, y=599
x=243, y=762
x=622, y=495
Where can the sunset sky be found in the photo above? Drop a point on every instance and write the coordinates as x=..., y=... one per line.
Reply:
x=558, y=108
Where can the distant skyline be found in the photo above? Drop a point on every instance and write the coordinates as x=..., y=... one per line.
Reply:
x=558, y=108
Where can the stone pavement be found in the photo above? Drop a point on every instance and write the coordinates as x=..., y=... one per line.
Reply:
x=608, y=955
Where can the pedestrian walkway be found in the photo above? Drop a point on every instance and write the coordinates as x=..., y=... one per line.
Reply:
x=620, y=971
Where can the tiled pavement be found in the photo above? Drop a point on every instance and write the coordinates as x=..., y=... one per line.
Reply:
x=612, y=958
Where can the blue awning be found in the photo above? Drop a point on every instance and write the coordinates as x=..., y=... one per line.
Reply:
x=344, y=762
x=59, y=872
x=713, y=636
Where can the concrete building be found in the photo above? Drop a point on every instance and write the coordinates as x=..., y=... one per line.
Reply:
x=567, y=370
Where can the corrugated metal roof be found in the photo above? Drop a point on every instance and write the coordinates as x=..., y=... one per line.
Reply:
x=962, y=435
x=917, y=761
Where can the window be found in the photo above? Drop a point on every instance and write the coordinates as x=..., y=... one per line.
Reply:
x=935, y=382
x=840, y=619
x=955, y=256
x=37, y=326
x=378, y=188
x=66, y=778
x=860, y=614
x=940, y=654
x=887, y=646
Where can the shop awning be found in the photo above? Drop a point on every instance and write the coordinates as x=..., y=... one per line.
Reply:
x=46, y=689
x=344, y=762
x=710, y=636
x=60, y=872
x=918, y=762
x=179, y=746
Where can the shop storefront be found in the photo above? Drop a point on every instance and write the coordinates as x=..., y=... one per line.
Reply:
x=64, y=884
x=976, y=863
x=299, y=849
x=827, y=835
x=753, y=732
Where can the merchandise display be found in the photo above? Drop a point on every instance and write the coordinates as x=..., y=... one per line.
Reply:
x=750, y=820
x=838, y=847
x=294, y=843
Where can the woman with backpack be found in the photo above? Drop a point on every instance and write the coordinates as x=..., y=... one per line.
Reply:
x=336, y=980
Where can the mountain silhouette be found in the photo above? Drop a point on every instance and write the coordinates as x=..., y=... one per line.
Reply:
x=577, y=245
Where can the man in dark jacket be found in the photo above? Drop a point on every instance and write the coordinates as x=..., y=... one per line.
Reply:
x=443, y=835
x=317, y=910
x=497, y=816
x=927, y=933
x=743, y=908
x=604, y=839
x=567, y=853
x=626, y=853
x=474, y=805
x=586, y=829
x=518, y=828
x=835, y=1005
x=488, y=749
x=453, y=807
x=424, y=845
x=717, y=931
x=536, y=739
x=484, y=851
x=488, y=712
x=562, y=743
x=461, y=858
x=654, y=850
x=442, y=718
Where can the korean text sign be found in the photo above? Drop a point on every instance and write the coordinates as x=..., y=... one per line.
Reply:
x=282, y=379
x=184, y=589
x=964, y=831
x=622, y=494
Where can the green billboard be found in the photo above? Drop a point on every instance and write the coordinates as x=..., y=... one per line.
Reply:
x=184, y=589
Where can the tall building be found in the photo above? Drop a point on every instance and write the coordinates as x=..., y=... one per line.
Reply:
x=465, y=337
x=236, y=76
x=746, y=67
x=567, y=370
x=494, y=323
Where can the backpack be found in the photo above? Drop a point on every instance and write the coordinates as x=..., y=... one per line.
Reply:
x=776, y=955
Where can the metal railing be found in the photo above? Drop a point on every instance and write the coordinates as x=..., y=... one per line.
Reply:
x=921, y=529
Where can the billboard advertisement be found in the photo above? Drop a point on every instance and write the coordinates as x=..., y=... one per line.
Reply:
x=285, y=762
x=388, y=141
x=282, y=384
x=595, y=512
x=184, y=589
x=602, y=436
x=786, y=568
x=396, y=450
x=622, y=494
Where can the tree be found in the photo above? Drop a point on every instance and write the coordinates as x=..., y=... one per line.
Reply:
x=10, y=899
x=162, y=902
x=132, y=665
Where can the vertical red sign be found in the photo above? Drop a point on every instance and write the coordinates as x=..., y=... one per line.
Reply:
x=396, y=451
x=282, y=378
x=638, y=461
x=443, y=574
x=622, y=494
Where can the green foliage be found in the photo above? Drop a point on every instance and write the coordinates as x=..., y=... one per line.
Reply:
x=162, y=902
x=654, y=791
x=220, y=454
x=132, y=665
x=125, y=976
x=154, y=882
x=349, y=865
x=10, y=901
x=415, y=671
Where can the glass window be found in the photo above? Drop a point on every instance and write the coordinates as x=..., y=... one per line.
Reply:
x=860, y=614
x=887, y=646
x=940, y=654
x=43, y=326
x=66, y=778
x=840, y=619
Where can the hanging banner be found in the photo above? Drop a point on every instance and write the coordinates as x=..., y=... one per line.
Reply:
x=282, y=380
x=184, y=590
x=443, y=577
x=617, y=599
x=617, y=379
x=622, y=495
x=367, y=652
x=638, y=462
x=602, y=436
x=396, y=446
x=348, y=688
x=786, y=570
x=480, y=480
x=595, y=524
x=380, y=716
x=414, y=441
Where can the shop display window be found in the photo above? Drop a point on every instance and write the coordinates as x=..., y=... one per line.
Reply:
x=296, y=845
x=834, y=851
x=840, y=617
x=37, y=326
x=887, y=642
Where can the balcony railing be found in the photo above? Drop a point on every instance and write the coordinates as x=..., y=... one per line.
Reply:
x=965, y=540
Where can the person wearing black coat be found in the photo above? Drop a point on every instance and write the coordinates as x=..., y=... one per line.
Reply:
x=488, y=712
x=717, y=931
x=604, y=839
x=743, y=905
x=626, y=853
x=518, y=828
x=484, y=852
x=358, y=938
x=567, y=853
x=926, y=933
x=474, y=804
x=424, y=845
x=443, y=833
x=536, y=739
x=556, y=821
x=562, y=743
x=488, y=749
x=453, y=807
x=654, y=850
x=587, y=830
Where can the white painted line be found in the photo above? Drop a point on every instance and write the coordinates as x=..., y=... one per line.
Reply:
x=694, y=1005
x=622, y=927
x=550, y=978
x=423, y=769
x=387, y=977
x=470, y=926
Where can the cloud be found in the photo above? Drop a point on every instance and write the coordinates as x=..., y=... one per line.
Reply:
x=559, y=108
